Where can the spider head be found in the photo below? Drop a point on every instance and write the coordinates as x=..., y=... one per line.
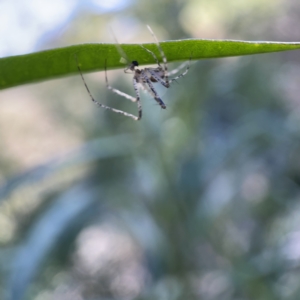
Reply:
x=133, y=64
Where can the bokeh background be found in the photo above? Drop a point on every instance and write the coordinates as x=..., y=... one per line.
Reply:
x=199, y=201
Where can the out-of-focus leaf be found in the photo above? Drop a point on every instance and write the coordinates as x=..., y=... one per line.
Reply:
x=92, y=151
x=45, y=236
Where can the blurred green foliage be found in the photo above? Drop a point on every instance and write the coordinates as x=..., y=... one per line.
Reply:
x=196, y=202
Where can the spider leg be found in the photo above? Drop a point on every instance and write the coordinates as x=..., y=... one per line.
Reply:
x=182, y=74
x=117, y=91
x=153, y=55
x=137, y=99
x=162, y=55
x=110, y=108
x=152, y=89
x=157, y=77
x=163, y=82
x=185, y=64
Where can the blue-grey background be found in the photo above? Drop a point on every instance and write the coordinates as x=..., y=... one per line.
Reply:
x=199, y=201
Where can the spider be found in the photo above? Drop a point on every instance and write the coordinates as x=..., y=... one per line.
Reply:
x=142, y=78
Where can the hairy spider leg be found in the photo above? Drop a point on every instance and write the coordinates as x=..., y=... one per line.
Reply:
x=158, y=78
x=153, y=55
x=162, y=55
x=116, y=91
x=182, y=66
x=137, y=99
x=151, y=87
x=153, y=71
x=182, y=74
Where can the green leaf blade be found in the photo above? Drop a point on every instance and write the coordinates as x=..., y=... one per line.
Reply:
x=49, y=64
